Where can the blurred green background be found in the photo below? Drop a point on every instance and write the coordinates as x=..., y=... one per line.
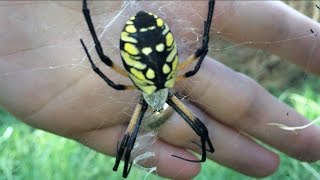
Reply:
x=28, y=153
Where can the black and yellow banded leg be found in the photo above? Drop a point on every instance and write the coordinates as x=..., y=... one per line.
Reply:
x=104, y=77
x=202, y=51
x=129, y=138
x=105, y=59
x=198, y=127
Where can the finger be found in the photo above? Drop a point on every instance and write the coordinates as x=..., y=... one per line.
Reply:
x=106, y=140
x=232, y=148
x=238, y=101
x=271, y=21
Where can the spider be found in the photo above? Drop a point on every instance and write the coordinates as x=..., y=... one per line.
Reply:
x=150, y=59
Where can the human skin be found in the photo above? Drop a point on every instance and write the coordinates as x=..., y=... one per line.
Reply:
x=71, y=101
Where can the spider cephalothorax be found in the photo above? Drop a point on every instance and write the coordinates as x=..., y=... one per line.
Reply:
x=150, y=58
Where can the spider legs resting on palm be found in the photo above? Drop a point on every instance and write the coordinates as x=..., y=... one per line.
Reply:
x=86, y=13
x=203, y=50
x=198, y=127
x=105, y=59
x=129, y=138
x=103, y=76
x=178, y=106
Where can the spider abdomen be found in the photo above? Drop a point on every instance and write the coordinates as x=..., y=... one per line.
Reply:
x=149, y=52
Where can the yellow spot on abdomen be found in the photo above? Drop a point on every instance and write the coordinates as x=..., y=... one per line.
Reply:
x=125, y=37
x=160, y=47
x=131, y=29
x=138, y=74
x=151, y=27
x=166, y=29
x=172, y=54
x=174, y=66
x=166, y=69
x=131, y=49
x=150, y=74
x=175, y=63
x=131, y=62
x=146, y=50
x=149, y=89
x=169, y=39
x=170, y=83
x=129, y=22
x=143, y=30
x=159, y=22
x=142, y=84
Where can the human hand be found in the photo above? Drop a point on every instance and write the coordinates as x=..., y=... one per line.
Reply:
x=70, y=100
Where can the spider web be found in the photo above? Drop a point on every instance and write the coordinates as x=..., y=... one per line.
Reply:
x=253, y=62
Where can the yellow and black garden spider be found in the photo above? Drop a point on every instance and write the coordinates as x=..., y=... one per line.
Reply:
x=150, y=58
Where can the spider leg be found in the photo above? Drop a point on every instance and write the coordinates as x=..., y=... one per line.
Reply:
x=104, y=77
x=202, y=51
x=129, y=138
x=105, y=59
x=199, y=128
x=199, y=145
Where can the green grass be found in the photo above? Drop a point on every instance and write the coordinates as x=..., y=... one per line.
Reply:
x=27, y=153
